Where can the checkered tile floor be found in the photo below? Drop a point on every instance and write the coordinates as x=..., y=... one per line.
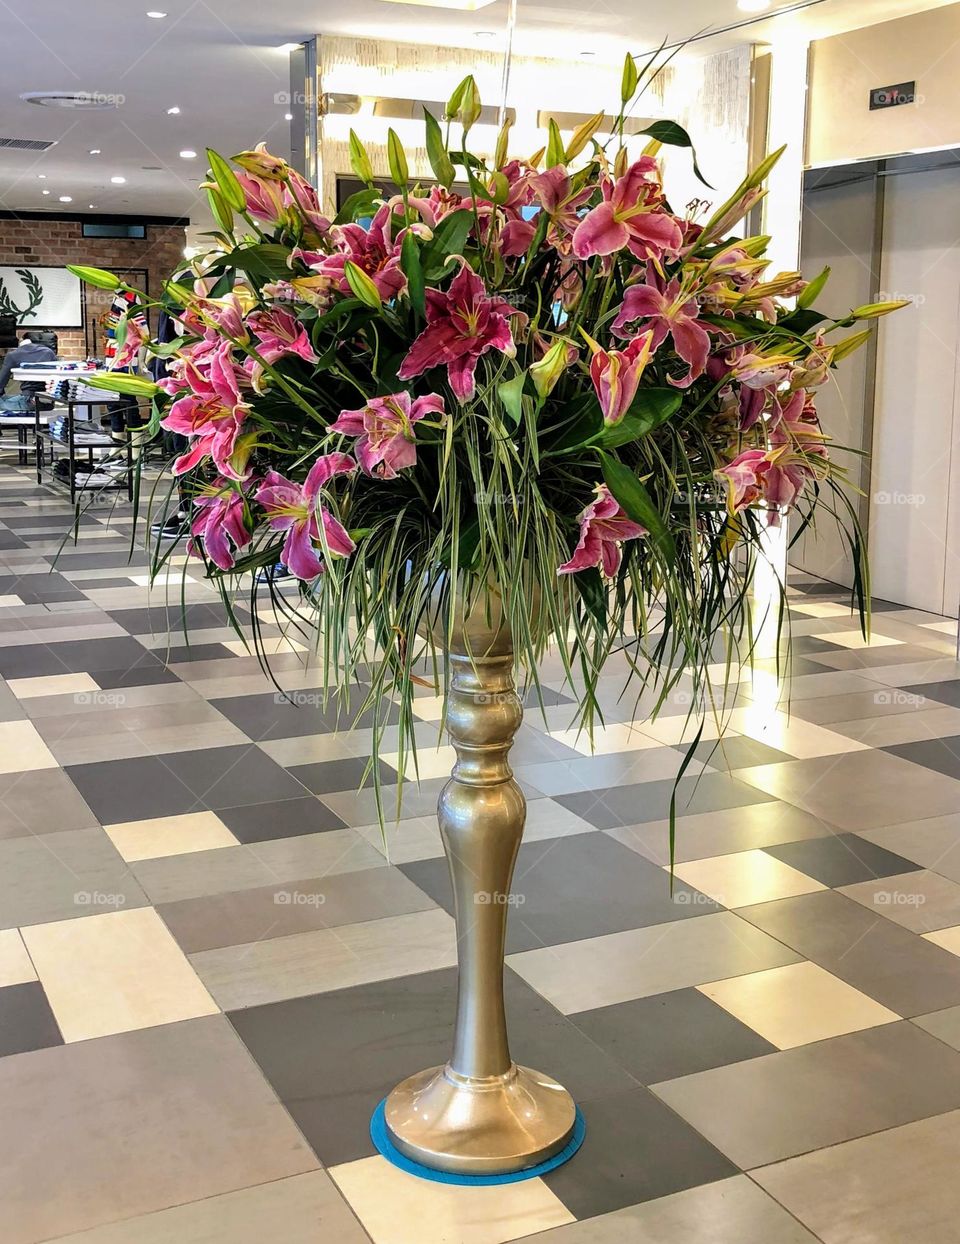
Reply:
x=210, y=969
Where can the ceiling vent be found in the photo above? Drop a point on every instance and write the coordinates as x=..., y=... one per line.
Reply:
x=25, y=144
x=75, y=101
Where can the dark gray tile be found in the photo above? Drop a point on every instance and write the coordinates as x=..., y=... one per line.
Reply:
x=636, y=1150
x=650, y=801
x=283, y=818
x=138, y=789
x=39, y=589
x=330, y=1058
x=69, y=560
x=273, y=716
x=946, y=692
x=584, y=885
x=183, y=654
x=26, y=1021
x=941, y=755
x=841, y=859
x=230, y=777
x=87, y=656
x=143, y=674
x=735, y=753
x=172, y=619
x=670, y=1034
x=888, y=963
x=329, y=776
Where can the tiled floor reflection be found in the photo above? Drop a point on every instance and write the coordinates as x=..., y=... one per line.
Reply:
x=212, y=965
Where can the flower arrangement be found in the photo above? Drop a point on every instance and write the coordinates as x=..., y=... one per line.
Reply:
x=534, y=377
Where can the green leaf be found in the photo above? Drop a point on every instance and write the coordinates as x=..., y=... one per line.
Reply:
x=267, y=260
x=802, y=320
x=638, y=504
x=413, y=271
x=226, y=180
x=673, y=135
x=555, y=148
x=813, y=291
x=593, y=593
x=220, y=210
x=649, y=409
x=359, y=160
x=361, y=203
x=511, y=394
x=99, y=278
x=437, y=152
x=456, y=99
x=397, y=159
x=629, y=79
x=449, y=238
x=361, y=286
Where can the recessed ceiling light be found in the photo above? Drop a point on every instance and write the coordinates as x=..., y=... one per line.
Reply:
x=77, y=101
x=66, y=198
x=188, y=154
x=44, y=191
x=91, y=205
x=588, y=53
x=155, y=13
x=42, y=176
x=118, y=181
x=753, y=6
x=173, y=112
x=94, y=150
x=288, y=116
x=288, y=47
x=484, y=34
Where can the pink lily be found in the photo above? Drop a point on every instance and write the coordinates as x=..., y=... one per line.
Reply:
x=373, y=250
x=616, y=375
x=305, y=196
x=136, y=335
x=384, y=426
x=279, y=333
x=219, y=522
x=266, y=199
x=630, y=215
x=666, y=308
x=561, y=203
x=295, y=509
x=214, y=429
x=743, y=478
x=603, y=527
x=462, y=325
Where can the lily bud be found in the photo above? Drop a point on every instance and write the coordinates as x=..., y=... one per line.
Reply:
x=873, y=310
x=261, y=163
x=546, y=373
x=849, y=344
x=361, y=286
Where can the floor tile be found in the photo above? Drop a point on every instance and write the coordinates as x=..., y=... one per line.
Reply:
x=26, y=1021
x=205, y=1123
x=114, y=972
x=283, y=818
x=59, y=876
x=797, y=1004
x=417, y=838
x=888, y=788
x=305, y=963
x=894, y=967
x=840, y=860
x=600, y=971
x=729, y=1211
x=15, y=965
x=945, y=692
x=745, y=877
x=170, y=835
x=301, y=1209
x=608, y=809
x=637, y=1150
x=575, y=887
x=271, y=716
x=397, y=1208
x=920, y=900
x=940, y=754
x=22, y=748
x=331, y=1057
x=791, y=734
x=670, y=1034
x=54, y=684
x=826, y=1093
x=895, y=1186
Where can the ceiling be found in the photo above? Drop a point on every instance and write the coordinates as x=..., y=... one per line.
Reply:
x=218, y=62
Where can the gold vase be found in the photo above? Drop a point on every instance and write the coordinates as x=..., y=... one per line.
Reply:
x=480, y=1114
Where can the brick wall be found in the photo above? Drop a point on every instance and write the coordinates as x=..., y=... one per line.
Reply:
x=59, y=242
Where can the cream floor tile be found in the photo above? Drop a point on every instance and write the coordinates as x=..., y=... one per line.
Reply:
x=672, y=731
x=745, y=877
x=397, y=1208
x=797, y=1004
x=170, y=835
x=949, y=939
x=271, y=647
x=22, y=748
x=432, y=762
x=113, y=973
x=828, y=609
x=316, y=962
x=619, y=737
x=428, y=707
x=311, y=749
x=417, y=838
x=792, y=735
x=15, y=965
x=10, y=602
x=52, y=684
x=599, y=971
x=855, y=641
x=945, y=628
x=942, y=669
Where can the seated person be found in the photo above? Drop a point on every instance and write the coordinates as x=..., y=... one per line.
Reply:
x=30, y=350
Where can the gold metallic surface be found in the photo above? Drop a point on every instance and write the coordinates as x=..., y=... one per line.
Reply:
x=481, y=1113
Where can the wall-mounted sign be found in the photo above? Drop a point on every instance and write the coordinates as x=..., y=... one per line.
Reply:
x=892, y=96
x=41, y=297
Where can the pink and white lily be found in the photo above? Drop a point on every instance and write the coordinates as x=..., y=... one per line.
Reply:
x=616, y=375
x=631, y=215
x=219, y=523
x=667, y=308
x=603, y=528
x=278, y=334
x=373, y=250
x=296, y=509
x=387, y=442
x=463, y=323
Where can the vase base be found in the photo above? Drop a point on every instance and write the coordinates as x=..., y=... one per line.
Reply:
x=494, y=1125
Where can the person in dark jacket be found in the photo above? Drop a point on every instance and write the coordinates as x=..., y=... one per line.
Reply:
x=28, y=351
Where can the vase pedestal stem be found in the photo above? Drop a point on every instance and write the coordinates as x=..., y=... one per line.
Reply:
x=481, y=1113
